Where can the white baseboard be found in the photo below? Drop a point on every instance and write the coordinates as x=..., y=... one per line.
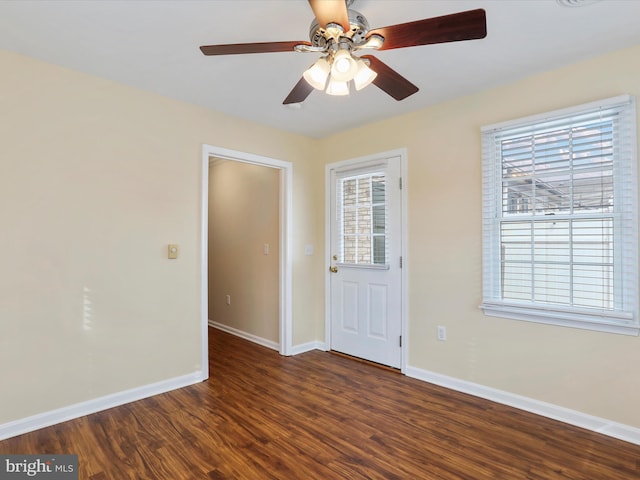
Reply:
x=53, y=417
x=295, y=350
x=247, y=336
x=307, y=347
x=572, y=417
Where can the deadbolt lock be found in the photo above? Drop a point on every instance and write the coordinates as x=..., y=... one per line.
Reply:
x=335, y=257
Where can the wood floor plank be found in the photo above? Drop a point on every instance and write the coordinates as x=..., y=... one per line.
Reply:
x=323, y=416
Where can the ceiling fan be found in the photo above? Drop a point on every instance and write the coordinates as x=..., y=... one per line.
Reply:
x=338, y=32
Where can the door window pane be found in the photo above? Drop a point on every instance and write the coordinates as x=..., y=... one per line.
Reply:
x=362, y=212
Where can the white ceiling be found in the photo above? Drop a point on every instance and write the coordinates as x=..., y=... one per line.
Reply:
x=153, y=45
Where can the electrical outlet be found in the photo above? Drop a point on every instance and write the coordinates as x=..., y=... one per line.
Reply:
x=442, y=333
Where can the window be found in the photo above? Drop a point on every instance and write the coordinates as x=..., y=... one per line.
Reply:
x=362, y=219
x=560, y=228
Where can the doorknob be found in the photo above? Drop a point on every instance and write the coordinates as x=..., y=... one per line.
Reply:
x=333, y=269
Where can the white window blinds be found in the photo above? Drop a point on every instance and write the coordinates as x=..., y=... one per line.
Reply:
x=560, y=217
x=362, y=218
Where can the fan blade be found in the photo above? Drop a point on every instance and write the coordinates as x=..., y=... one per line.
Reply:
x=331, y=11
x=299, y=93
x=469, y=25
x=240, y=48
x=390, y=81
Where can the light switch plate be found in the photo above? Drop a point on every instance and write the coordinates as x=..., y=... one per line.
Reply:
x=172, y=251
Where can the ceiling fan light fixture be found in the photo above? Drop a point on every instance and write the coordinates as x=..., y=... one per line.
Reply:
x=337, y=87
x=344, y=66
x=364, y=76
x=317, y=75
x=337, y=32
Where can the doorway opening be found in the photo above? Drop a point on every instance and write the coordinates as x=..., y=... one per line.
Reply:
x=283, y=171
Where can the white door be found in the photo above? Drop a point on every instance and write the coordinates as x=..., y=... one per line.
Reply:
x=365, y=278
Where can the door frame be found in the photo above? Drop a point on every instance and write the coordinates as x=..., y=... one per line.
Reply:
x=354, y=162
x=285, y=240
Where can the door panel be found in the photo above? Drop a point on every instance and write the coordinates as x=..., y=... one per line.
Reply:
x=350, y=307
x=378, y=309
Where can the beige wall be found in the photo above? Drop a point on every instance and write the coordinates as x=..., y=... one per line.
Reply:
x=243, y=217
x=595, y=373
x=98, y=177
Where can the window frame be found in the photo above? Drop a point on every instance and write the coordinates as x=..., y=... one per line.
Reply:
x=623, y=318
x=377, y=170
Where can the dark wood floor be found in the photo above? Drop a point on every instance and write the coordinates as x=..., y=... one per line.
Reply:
x=322, y=416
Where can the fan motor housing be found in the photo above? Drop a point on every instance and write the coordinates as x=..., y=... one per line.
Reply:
x=321, y=37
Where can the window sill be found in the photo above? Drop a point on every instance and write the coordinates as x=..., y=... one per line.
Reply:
x=370, y=266
x=621, y=324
